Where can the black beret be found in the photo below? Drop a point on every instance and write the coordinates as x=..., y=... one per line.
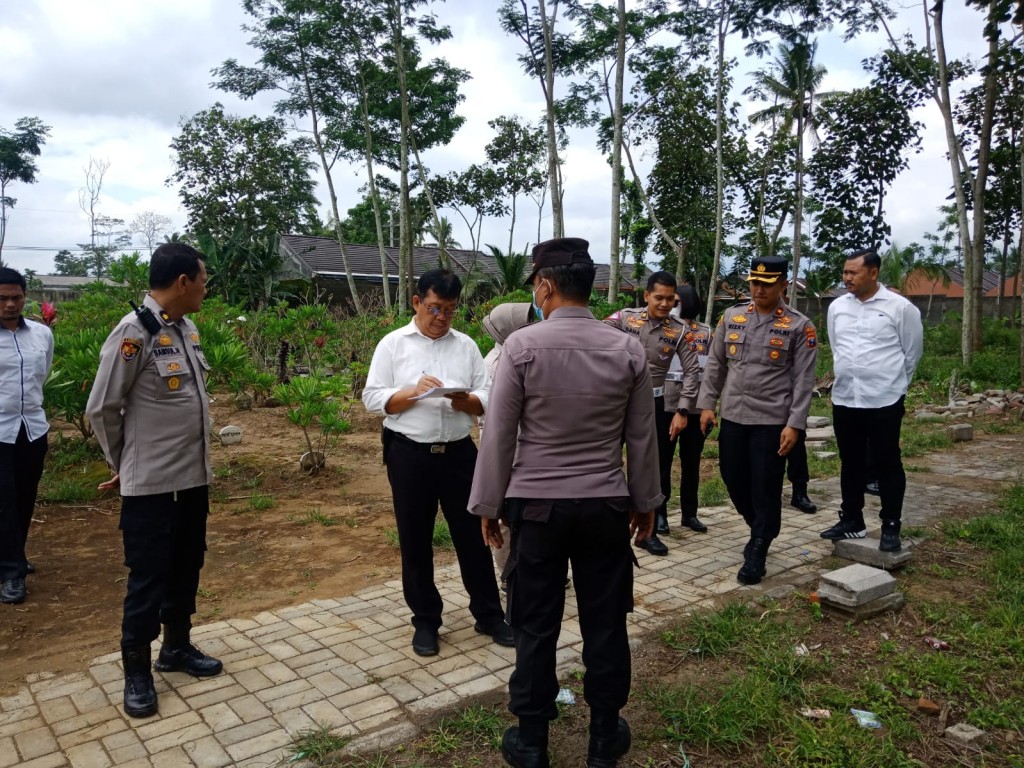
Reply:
x=558, y=253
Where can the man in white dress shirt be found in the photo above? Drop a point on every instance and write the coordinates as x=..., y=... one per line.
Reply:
x=430, y=456
x=877, y=340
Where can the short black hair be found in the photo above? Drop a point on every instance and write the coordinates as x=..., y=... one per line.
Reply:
x=169, y=261
x=573, y=281
x=443, y=282
x=10, y=276
x=661, y=278
x=871, y=258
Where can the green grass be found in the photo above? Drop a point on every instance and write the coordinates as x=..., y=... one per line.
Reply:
x=442, y=538
x=474, y=727
x=259, y=502
x=72, y=471
x=70, y=489
x=316, y=745
x=316, y=517
x=712, y=493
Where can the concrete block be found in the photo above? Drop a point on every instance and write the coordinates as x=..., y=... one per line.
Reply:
x=817, y=422
x=891, y=602
x=866, y=552
x=960, y=433
x=821, y=433
x=825, y=455
x=815, y=445
x=855, y=585
x=230, y=435
x=965, y=734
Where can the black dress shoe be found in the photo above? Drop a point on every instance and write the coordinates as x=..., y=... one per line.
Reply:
x=803, y=502
x=520, y=755
x=424, y=642
x=13, y=592
x=653, y=545
x=605, y=751
x=694, y=524
x=872, y=488
x=29, y=567
x=500, y=632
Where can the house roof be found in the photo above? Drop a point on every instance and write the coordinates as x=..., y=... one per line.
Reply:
x=69, y=282
x=321, y=256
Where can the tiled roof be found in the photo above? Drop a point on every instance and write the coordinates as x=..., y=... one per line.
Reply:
x=321, y=256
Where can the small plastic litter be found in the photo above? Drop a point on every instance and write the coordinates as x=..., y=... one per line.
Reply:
x=938, y=645
x=866, y=719
x=800, y=649
x=565, y=696
x=816, y=714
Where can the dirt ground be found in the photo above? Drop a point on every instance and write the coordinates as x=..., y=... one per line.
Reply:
x=257, y=559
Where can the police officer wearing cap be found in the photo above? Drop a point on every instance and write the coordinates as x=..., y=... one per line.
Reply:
x=691, y=439
x=148, y=408
x=762, y=366
x=567, y=393
x=662, y=337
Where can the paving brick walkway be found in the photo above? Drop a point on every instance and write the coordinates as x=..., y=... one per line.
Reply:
x=347, y=663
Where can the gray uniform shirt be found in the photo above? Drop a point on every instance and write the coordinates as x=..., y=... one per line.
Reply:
x=698, y=338
x=762, y=366
x=149, y=408
x=663, y=340
x=565, y=394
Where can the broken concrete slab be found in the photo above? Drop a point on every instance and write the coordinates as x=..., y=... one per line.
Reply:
x=960, y=433
x=817, y=422
x=892, y=602
x=821, y=433
x=866, y=552
x=855, y=585
x=825, y=455
x=965, y=734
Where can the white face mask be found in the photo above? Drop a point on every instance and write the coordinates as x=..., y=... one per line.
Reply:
x=536, y=307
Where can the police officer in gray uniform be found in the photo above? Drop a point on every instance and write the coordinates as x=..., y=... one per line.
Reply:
x=691, y=439
x=762, y=366
x=149, y=410
x=567, y=393
x=662, y=337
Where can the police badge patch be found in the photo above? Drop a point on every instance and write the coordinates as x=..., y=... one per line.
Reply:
x=130, y=348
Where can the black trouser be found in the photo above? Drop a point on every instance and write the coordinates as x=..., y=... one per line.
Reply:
x=666, y=450
x=592, y=534
x=21, y=466
x=748, y=455
x=164, y=549
x=691, y=446
x=796, y=461
x=420, y=480
x=859, y=430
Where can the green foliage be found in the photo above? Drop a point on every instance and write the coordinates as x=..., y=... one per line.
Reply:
x=989, y=368
x=317, y=407
x=73, y=470
x=259, y=502
x=316, y=745
x=316, y=517
x=474, y=727
x=242, y=265
x=75, y=361
x=712, y=492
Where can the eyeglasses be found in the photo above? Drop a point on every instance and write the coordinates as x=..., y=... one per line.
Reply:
x=448, y=314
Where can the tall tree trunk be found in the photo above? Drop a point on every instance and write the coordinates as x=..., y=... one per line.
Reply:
x=1020, y=265
x=968, y=328
x=548, y=83
x=681, y=250
x=378, y=217
x=649, y=208
x=616, y=222
x=322, y=152
x=405, y=253
x=1003, y=263
x=799, y=207
x=723, y=24
x=981, y=174
x=512, y=226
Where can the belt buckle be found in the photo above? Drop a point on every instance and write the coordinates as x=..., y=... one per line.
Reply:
x=437, y=448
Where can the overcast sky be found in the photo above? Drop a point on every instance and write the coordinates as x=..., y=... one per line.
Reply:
x=115, y=77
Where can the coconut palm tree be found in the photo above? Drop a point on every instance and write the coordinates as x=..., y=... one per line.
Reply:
x=792, y=82
x=900, y=265
x=443, y=237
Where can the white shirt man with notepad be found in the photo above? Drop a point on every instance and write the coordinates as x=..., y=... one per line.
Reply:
x=430, y=384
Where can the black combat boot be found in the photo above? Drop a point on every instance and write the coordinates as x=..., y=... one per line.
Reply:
x=801, y=500
x=139, y=693
x=608, y=741
x=890, y=536
x=754, y=556
x=526, y=745
x=177, y=654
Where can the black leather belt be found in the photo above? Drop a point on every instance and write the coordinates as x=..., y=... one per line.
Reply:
x=429, y=447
